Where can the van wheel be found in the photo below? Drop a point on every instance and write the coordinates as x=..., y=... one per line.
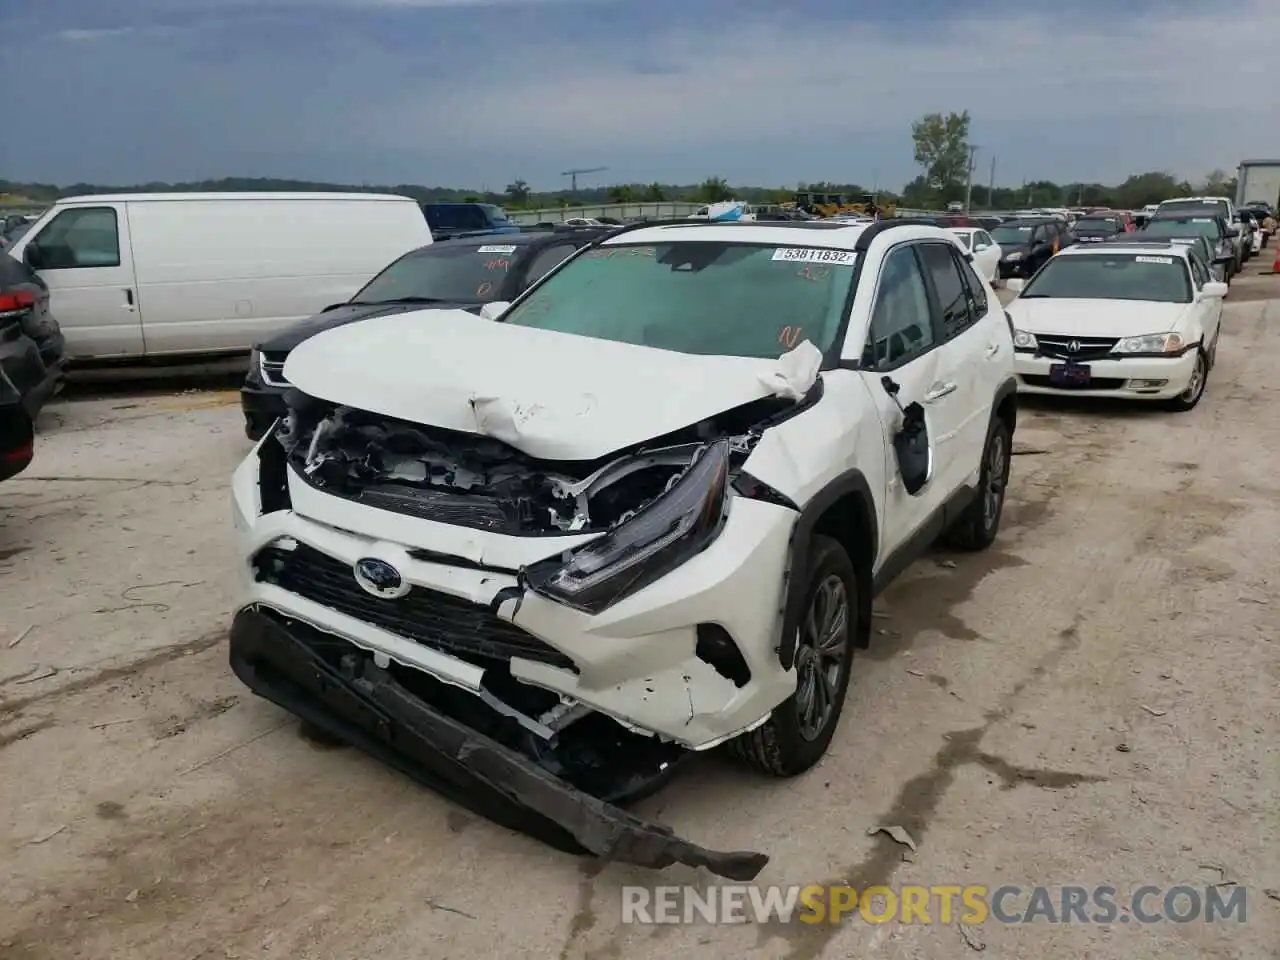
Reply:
x=976, y=528
x=800, y=729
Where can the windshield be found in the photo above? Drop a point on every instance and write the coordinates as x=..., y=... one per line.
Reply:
x=471, y=273
x=1113, y=276
x=1015, y=236
x=699, y=297
x=1190, y=227
x=1097, y=225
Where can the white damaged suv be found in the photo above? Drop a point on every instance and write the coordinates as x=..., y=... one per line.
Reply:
x=537, y=561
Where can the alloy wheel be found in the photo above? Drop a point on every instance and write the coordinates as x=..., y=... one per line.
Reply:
x=821, y=656
x=993, y=492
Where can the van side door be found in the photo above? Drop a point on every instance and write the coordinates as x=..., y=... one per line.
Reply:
x=83, y=254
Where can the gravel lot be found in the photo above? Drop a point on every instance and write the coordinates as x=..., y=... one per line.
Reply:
x=1092, y=701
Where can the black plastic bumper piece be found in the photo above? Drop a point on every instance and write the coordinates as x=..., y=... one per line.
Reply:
x=365, y=706
x=262, y=406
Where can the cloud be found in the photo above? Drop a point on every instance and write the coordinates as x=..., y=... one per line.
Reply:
x=482, y=91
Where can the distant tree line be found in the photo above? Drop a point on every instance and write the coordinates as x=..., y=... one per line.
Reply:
x=942, y=150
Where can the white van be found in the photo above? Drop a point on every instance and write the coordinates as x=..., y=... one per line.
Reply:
x=167, y=274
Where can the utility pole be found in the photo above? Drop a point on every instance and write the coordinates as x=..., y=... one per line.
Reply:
x=991, y=186
x=968, y=188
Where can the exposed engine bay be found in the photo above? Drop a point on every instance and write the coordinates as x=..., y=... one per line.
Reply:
x=475, y=481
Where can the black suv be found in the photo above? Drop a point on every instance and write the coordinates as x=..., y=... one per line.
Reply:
x=460, y=274
x=31, y=360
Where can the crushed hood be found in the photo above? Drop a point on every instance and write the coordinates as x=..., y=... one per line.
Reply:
x=1094, y=318
x=553, y=396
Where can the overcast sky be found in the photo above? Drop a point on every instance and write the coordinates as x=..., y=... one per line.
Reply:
x=475, y=93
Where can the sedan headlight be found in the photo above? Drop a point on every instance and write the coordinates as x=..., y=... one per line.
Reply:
x=1024, y=341
x=1151, y=343
x=663, y=535
x=1013, y=256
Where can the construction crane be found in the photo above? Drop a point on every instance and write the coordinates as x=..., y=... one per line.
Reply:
x=573, y=175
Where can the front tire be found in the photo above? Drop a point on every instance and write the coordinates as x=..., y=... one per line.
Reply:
x=977, y=527
x=800, y=729
x=1188, y=399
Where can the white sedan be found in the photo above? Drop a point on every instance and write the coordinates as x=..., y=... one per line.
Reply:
x=986, y=252
x=1136, y=321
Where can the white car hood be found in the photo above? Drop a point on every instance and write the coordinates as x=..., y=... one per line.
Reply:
x=1094, y=318
x=551, y=395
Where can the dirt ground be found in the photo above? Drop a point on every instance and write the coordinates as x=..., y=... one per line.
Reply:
x=1093, y=701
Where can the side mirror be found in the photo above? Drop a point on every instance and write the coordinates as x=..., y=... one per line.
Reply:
x=1213, y=290
x=1014, y=284
x=1233, y=231
x=32, y=256
x=492, y=311
x=1224, y=258
x=982, y=246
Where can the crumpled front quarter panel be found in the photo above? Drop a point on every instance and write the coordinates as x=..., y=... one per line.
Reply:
x=841, y=432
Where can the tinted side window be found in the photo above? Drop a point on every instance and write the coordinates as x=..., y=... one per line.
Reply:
x=901, y=324
x=953, y=297
x=544, y=261
x=81, y=237
x=978, y=304
x=473, y=218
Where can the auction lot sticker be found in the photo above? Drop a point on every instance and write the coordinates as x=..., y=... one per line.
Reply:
x=1165, y=260
x=814, y=255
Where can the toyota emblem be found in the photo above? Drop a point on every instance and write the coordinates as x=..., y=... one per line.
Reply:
x=381, y=579
x=1073, y=346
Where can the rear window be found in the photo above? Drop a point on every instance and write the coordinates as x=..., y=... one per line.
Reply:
x=1155, y=277
x=1210, y=207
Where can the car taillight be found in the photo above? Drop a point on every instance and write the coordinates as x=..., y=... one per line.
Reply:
x=13, y=305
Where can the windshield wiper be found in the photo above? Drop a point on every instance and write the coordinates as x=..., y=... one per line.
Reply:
x=1034, y=296
x=378, y=303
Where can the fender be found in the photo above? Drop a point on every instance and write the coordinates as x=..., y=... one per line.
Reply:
x=1006, y=389
x=850, y=482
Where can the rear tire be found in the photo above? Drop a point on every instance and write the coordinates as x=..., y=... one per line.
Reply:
x=800, y=729
x=977, y=527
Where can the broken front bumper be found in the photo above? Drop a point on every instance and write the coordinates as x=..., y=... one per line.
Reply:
x=365, y=706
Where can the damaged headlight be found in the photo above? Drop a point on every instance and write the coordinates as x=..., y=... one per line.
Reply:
x=663, y=535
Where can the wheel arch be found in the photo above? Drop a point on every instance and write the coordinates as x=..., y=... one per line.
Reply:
x=844, y=510
x=1005, y=404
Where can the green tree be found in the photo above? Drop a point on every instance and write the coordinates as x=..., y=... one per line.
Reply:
x=655, y=192
x=942, y=150
x=471, y=198
x=1143, y=188
x=714, y=190
x=518, y=193
x=622, y=193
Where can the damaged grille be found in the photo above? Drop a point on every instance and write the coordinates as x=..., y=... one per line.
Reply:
x=445, y=623
x=271, y=366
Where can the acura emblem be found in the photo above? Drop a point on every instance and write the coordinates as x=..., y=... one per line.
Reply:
x=1073, y=346
x=381, y=579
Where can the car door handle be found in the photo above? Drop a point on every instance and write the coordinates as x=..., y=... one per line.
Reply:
x=939, y=391
x=993, y=350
